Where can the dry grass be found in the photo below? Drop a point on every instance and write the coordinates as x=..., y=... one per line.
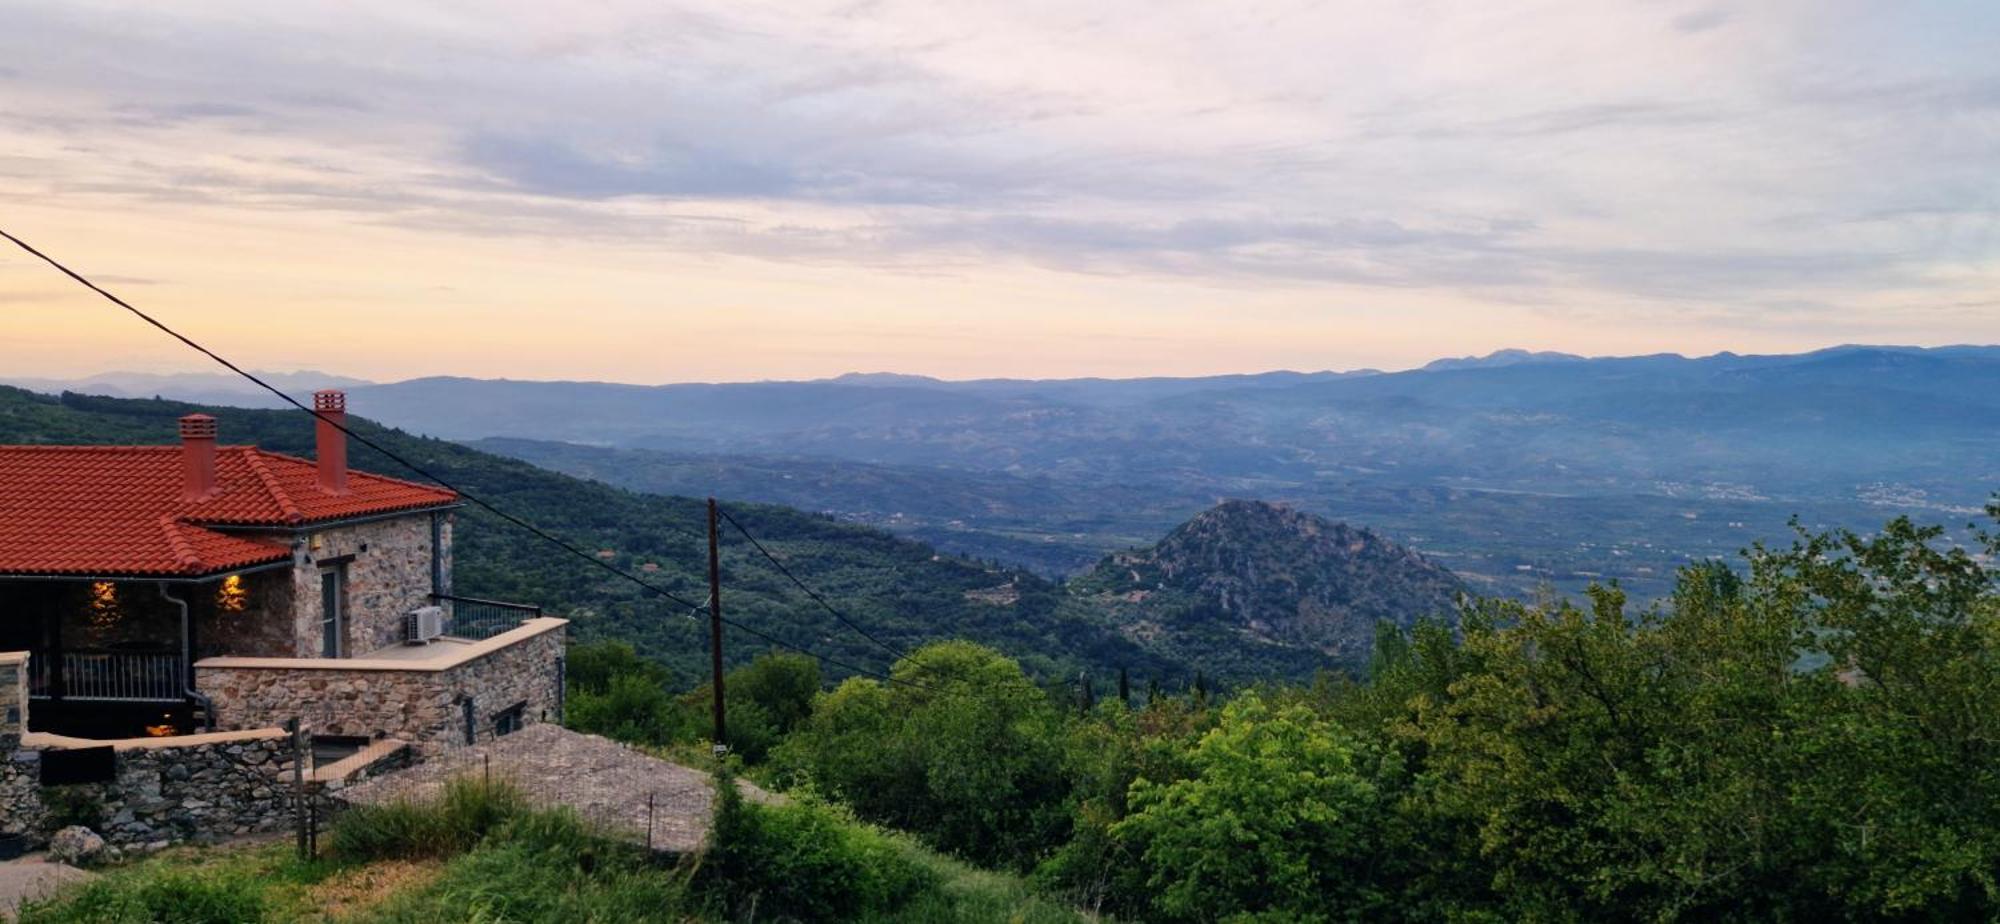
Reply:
x=359, y=888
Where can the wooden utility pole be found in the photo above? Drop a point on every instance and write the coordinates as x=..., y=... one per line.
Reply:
x=715, y=616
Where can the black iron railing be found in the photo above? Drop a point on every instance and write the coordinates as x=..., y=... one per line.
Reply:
x=108, y=675
x=474, y=618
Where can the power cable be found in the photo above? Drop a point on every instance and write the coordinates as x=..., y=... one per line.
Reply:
x=787, y=572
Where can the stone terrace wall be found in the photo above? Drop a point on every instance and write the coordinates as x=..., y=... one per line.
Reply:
x=21, y=809
x=410, y=701
x=20, y=801
x=192, y=788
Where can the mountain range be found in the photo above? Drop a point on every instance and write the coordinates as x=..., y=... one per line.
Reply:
x=1521, y=470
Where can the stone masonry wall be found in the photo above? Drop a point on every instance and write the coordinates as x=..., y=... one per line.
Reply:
x=388, y=574
x=212, y=787
x=250, y=616
x=21, y=809
x=20, y=804
x=421, y=706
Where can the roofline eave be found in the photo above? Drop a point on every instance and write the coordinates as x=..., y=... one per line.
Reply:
x=203, y=578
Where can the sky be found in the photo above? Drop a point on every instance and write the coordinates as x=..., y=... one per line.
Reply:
x=713, y=191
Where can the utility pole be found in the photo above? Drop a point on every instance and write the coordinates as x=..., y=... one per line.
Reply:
x=715, y=618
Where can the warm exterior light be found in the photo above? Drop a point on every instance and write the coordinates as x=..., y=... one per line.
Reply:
x=230, y=597
x=103, y=603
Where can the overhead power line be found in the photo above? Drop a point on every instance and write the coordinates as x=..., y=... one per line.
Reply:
x=393, y=456
x=787, y=572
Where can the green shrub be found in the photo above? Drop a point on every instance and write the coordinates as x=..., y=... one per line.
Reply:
x=162, y=896
x=545, y=866
x=466, y=812
x=804, y=861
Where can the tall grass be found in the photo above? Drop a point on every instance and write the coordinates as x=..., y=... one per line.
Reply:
x=168, y=897
x=453, y=823
x=545, y=866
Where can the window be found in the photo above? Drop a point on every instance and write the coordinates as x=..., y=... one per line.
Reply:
x=332, y=611
x=508, y=720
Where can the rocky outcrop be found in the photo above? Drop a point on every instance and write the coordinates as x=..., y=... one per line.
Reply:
x=76, y=845
x=1276, y=575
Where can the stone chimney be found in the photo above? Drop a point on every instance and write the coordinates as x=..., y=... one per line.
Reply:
x=198, y=457
x=331, y=405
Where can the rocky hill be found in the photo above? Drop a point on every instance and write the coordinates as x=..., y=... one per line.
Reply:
x=1264, y=575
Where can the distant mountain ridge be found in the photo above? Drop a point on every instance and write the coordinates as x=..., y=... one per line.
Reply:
x=1267, y=574
x=222, y=388
x=1520, y=475
x=1499, y=358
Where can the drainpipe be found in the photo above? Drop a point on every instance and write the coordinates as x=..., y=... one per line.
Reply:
x=437, y=553
x=187, y=660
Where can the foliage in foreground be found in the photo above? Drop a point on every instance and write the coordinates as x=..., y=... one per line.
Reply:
x=491, y=857
x=1812, y=738
x=804, y=861
x=165, y=896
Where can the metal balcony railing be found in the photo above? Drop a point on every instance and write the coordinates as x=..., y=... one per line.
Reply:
x=474, y=618
x=108, y=676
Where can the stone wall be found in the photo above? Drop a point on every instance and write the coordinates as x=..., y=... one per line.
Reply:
x=165, y=791
x=249, y=616
x=388, y=564
x=20, y=804
x=21, y=810
x=418, y=701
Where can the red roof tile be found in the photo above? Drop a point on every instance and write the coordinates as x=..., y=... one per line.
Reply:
x=118, y=510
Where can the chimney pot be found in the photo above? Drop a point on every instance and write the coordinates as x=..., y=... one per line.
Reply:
x=331, y=444
x=198, y=457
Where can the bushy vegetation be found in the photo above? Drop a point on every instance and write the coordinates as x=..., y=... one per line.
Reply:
x=480, y=852
x=161, y=896
x=186, y=885
x=1812, y=737
x=805, y=861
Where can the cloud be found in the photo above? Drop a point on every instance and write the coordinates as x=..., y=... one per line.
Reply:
x=186, y=112
x=1703, y=20
x=1579, y=153
x=553, y=168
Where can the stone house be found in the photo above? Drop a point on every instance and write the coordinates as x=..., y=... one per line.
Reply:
x=158, y=591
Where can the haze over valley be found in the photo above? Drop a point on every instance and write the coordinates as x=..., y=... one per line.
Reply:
x=1520, y=471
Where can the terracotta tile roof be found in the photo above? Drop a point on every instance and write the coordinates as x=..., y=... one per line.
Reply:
x=118, y=511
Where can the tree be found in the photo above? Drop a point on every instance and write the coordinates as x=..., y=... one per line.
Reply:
x=1275, y=817
x=962, y=747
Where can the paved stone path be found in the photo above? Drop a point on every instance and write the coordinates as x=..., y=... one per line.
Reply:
x=32, y=876
x=649, y=800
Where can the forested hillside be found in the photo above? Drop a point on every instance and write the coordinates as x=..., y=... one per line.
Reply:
x=905, y=592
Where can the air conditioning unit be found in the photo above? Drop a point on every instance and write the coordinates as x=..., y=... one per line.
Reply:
x=423, y=625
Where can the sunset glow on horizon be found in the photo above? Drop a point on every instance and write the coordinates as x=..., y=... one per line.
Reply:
x=726, y=193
